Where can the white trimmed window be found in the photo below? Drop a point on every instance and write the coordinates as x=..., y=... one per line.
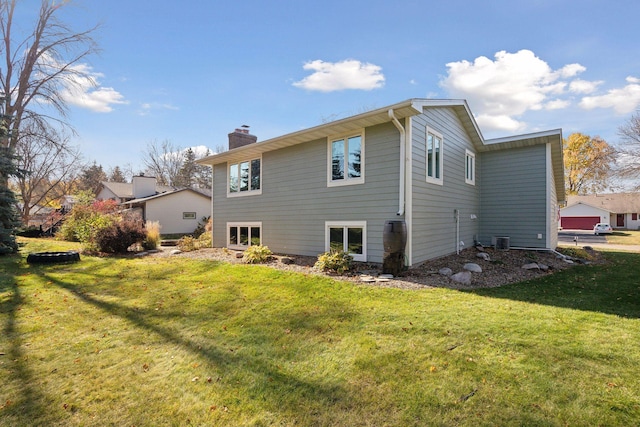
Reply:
x=347, y=236
x=241, y=235
x=470, y=167
x=346, y=160
x=435, y=156
x=244, y=178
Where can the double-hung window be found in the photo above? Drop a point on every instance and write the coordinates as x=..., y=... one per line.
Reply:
x=435, y=157
x=241, y=235
x=346, y=160
x=347, y=236
x=470, y=168
x=244, y=178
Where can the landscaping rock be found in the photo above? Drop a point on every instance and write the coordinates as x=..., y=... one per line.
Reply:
x=474, y=268
x=483, y=255
x=445, y=271
x=286, y=260
x=464, y=278
x=543, y=267
x=175, y=252
x=531, y=266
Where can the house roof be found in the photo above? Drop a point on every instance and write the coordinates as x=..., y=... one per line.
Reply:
x=124, y=190
x=401, y=110
x=198, y=192
x=614, y=203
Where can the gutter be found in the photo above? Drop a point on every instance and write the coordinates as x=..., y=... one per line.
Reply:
x=403, y=137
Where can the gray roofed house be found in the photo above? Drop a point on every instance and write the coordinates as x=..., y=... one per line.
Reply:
x=420, y=166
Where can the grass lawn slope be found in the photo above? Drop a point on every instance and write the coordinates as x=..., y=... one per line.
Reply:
x=178, y=342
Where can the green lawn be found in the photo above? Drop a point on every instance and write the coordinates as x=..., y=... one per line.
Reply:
x=624, y=237
x=177, y=342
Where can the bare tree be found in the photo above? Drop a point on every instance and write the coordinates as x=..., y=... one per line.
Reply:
x=50, y=162
x=630, y=149
x=164, y=161
x=38, y=68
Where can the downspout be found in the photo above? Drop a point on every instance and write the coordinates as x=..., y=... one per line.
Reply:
x=401, y=198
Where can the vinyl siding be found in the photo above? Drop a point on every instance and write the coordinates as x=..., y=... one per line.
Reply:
x=296, y=202
x=168, y=210
x=514, y=196
x=433, y=205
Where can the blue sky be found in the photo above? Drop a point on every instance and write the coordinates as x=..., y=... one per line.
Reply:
x=192, y=71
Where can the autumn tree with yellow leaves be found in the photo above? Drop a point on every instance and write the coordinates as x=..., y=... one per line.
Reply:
x=587, y=163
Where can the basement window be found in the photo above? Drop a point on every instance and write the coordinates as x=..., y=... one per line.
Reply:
x=347, y=236
x=241, y=235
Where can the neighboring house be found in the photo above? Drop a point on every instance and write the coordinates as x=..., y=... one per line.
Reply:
x=177, y=210
x=141, y=186
x=421, y=161
x=67, y=202
x=621, y=210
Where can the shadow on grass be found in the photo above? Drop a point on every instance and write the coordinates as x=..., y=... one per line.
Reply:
x=613, y=288
x=286, y=393
x=31, y=401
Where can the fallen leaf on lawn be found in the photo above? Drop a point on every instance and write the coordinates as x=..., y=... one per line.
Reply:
x=145, y=367
x=194, y=379
x=432, y=369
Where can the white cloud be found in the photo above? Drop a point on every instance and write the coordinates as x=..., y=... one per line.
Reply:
x=584, y=86
x=84, y=91
x=347, y=74
x=502, y=121
x=624, y=100
x=503, y=89
x=148, y=107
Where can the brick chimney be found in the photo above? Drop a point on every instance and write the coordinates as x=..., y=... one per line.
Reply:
x=241, y=137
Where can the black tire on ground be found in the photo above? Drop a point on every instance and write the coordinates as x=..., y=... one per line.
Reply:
x=53, y=257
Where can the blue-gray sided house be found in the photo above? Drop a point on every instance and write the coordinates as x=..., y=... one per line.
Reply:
x=421, y=161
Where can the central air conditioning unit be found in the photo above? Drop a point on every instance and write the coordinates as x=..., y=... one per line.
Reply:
x=502, y=243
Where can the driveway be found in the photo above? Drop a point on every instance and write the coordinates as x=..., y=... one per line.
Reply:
x=585, y=237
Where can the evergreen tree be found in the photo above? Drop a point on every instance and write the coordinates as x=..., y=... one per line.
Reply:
x=8, y=212
x=91, y=178
x=187, y=172
x=117, y=175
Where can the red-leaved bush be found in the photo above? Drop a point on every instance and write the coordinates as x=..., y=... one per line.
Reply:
x=119, y=236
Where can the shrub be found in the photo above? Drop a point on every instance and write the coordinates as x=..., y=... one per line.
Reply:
x=257, y=254
x=336, y=261
x=204, y=241
x=187, y=244
x=117, y=237
x=85, y=220
x=153, y=235
x=204, y=226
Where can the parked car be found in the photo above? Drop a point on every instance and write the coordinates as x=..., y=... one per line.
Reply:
x=602, y=228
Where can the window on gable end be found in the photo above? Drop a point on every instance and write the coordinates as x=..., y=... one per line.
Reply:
x=244, y=178
x=470, y=168
x=346, y=160
x=435, y=156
